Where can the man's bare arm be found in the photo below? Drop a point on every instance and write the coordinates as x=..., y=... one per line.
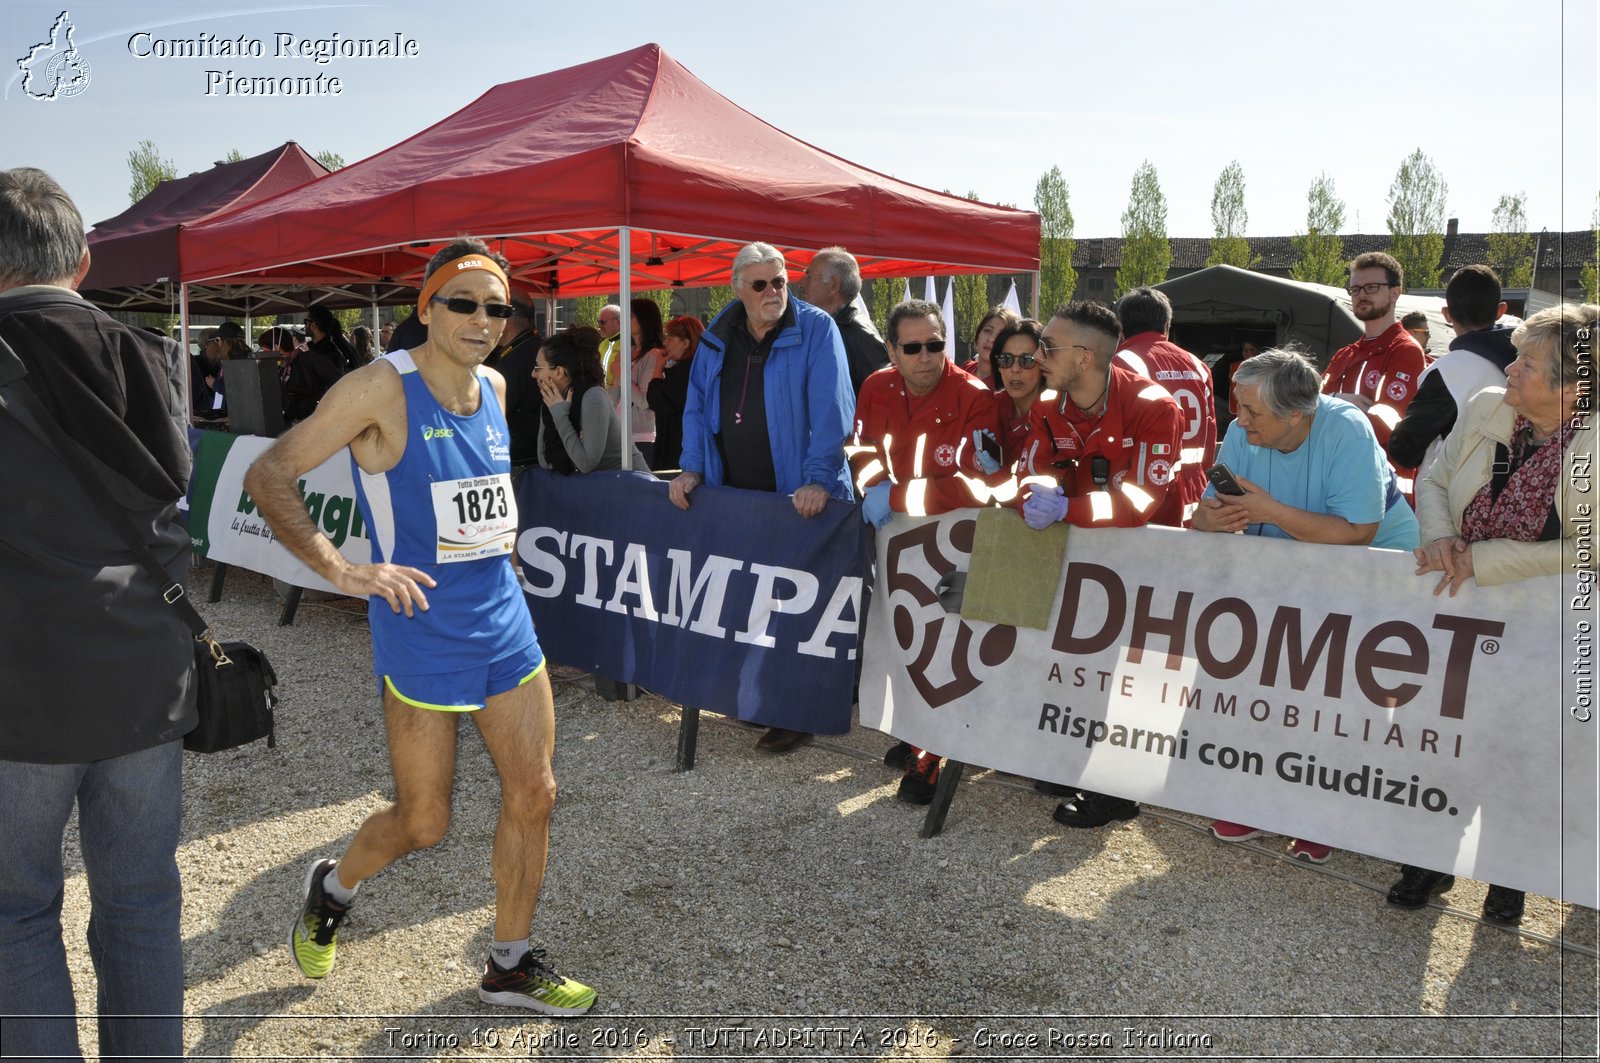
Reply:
x=350, y=411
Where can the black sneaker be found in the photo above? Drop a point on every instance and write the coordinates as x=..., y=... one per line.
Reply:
x=1090, y=809
x=1417, y=885
x=314, y=936
x=917, y=784
x=899, y=755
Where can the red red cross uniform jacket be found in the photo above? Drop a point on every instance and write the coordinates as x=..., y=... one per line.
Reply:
x=1153, y=356
x=922, y=444
x=1383, y=370
x=1137, y=432
x=1013, y=428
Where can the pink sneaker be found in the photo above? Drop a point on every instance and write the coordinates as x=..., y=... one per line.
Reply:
x=1310, y=852
x=1233, y=832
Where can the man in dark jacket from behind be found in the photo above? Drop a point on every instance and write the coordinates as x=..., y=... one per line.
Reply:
x=98, y=669
x=1477, y=359
x=832, y=282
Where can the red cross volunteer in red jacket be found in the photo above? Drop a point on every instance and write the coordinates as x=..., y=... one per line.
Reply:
x=1102, y=453
x=1380, y=371
x=1104, y=445
x=915, y=424
x=1146, y=316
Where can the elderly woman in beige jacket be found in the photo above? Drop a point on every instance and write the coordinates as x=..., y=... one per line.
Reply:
x=1498, y=503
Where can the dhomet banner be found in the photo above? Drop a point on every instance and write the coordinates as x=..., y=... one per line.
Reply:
x=738, y=605
x=225, y=526
x=1315, y=691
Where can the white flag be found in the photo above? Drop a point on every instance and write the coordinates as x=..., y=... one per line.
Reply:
x=949, y=309
x=1010, y=302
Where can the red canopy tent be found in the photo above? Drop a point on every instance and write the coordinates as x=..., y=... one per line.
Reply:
x=135, y=261
x=630, y=158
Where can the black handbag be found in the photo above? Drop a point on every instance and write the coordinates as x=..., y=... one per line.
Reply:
x=234, y=681
x=234, y=696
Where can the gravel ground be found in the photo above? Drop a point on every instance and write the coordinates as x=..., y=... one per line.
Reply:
x=785, y=907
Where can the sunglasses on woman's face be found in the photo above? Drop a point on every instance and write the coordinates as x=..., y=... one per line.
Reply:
x=1004, y=361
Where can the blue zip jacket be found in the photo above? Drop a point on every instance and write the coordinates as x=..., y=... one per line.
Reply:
x=810, y=409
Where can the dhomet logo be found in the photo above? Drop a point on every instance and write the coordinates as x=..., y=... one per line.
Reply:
x=55, y=69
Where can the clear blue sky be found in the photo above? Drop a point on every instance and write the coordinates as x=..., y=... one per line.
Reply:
x=971, y=96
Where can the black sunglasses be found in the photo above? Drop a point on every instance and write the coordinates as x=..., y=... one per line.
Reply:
x=467, y=307
x=932, y=347
x=1003, y=361
x=777, y=283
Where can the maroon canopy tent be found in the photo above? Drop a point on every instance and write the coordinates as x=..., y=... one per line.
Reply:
x=135, y=261
x=569, y=174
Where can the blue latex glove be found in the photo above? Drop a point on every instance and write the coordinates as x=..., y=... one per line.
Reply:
x=1044, y=508
x=986, y=461
x=875, y=505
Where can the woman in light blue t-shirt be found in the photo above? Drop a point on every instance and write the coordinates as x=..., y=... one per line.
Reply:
x=1311, y=469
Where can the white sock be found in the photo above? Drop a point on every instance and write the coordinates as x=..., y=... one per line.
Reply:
x=337, y=890
x=507, y=954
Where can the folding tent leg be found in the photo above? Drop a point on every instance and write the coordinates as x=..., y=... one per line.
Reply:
x=944, y=791
x=291, y=602
x=688, y=737
x=219, y=572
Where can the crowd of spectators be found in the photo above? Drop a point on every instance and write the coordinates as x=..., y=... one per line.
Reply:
x=1093, y=417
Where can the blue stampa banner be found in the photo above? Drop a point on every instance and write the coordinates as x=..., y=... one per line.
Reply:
x=738, y=605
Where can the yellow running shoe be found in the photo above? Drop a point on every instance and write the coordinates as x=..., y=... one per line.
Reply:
x=534, y=984
x=313, y=937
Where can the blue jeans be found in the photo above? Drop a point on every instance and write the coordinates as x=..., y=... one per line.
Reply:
x=129, y=810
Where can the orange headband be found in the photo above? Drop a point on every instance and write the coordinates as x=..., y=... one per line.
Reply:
x=441, y=276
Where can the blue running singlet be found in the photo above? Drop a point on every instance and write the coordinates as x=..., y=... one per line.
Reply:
x=446, y=508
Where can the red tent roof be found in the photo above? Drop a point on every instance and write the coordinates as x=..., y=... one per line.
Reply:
x=140, y=245
x=548, y=169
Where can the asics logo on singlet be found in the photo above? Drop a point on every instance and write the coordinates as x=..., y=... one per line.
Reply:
x=438, y=433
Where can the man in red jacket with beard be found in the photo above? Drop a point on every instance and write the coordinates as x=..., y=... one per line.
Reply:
x=1380, y=371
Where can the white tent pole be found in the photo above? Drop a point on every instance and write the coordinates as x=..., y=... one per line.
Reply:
x=549, y=315
x=1035, y=299
x=375, y=316
x=625, y=342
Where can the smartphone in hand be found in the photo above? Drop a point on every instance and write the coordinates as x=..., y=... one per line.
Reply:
x=1222, y=479
x=991, y=447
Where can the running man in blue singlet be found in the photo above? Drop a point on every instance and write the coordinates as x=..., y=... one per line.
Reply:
x=451, y=635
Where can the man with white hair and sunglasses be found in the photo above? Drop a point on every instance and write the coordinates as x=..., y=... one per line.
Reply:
x=769, y=404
